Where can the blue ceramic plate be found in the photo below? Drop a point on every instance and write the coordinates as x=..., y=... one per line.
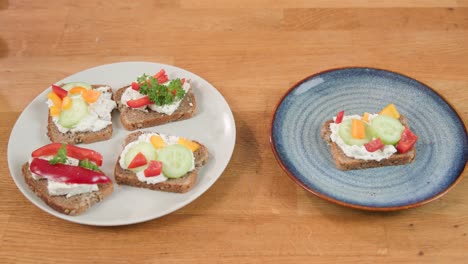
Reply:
x=441, y=151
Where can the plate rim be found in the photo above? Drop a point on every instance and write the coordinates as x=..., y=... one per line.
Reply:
x=351, y=205
x=46, y=208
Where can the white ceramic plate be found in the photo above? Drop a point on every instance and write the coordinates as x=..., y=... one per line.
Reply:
x=213, y=125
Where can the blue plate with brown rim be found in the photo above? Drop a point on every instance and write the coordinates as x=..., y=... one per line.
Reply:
x=441, y=150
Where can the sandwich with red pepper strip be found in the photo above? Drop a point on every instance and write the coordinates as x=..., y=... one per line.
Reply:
x=370, y=140
x=154, y=100
x=67, y=177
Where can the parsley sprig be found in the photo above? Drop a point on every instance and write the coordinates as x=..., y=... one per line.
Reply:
x=158, y=93
x=61, y=156
x=88, y=165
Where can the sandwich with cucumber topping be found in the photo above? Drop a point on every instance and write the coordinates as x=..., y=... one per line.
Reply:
x=154, y=100
x=370, y=140
x=160, y=162
x=80, y=113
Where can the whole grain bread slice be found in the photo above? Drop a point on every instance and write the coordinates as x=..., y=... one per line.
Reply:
x=179, y=185
x=87, y=137
x=133, y=119
x=73, y=205
x=344, y=162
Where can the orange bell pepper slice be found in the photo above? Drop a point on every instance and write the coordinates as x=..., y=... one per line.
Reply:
x=365, y=117
x=358, y=129
x=77, y=90
x=91, y=96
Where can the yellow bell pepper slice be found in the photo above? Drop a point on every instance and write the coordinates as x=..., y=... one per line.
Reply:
x=390, y=110
x=157, y=141
x=56, y=101
x=365, y=117
x=91, y=96
x=77, y=90
x=358, y=129
x=54, y=111
x=66, y=102
x=188, y=143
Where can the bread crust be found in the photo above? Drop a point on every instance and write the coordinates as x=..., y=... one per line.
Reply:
x=133, y=119
x=74, y=205
x=344, y=162
x=179, y=185
x=78, y=137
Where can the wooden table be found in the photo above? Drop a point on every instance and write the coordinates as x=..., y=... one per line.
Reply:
x=252, y=51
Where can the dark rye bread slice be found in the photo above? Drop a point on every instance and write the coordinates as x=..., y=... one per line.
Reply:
x=78, y=137
x=344, y=162
x=74, y=205
x=179, y=185
x=133, y=119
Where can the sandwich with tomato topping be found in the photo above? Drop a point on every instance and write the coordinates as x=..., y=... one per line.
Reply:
x=160, y=162
x=154, y=100
x=67, y=177
x=80, y=113
x=370, y=140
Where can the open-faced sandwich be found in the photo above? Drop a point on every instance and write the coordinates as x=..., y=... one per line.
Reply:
x=67, y=177
x=155, y=100
x=371, y=140
x=80, y=113
x=160, y=162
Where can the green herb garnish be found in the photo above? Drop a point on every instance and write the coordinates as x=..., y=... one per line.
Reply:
x=88, y=165
x=160, y=94
x=61, y=156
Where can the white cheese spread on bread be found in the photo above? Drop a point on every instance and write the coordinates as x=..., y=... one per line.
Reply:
x=359, y=152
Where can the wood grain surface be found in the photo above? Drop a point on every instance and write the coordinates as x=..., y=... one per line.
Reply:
x=252, y=52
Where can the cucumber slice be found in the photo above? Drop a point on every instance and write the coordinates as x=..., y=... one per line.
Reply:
x=72, y=116
x=146, y=149
x=387, y=128
x=70, y=85
x=177, y=160
x=345, y=133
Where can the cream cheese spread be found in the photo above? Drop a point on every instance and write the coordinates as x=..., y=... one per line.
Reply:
x=145, y=137
x=359, y=152
x=169, y=109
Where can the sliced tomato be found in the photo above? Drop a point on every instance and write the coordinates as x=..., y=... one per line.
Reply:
x=182, y=81
x=67, y=173
x=154, y=168
x=407, y=141
x=374, y=145
x=138, y=161
x=339, y=117
x=135, y=86
x=59, y=91
x=139, y=102
x=72, y=151
x=162, y=72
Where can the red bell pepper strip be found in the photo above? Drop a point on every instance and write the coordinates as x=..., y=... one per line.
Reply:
x=162, y=72
x=135, y=86
x=154, y=168
x=374, y=145
x=138, y=161
x=72, y=151
x=339, y=117
x=67, y=173
x=139, y=102
x=59, y=91
x=407, y=141
x=163, y=79
x=182, y=81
